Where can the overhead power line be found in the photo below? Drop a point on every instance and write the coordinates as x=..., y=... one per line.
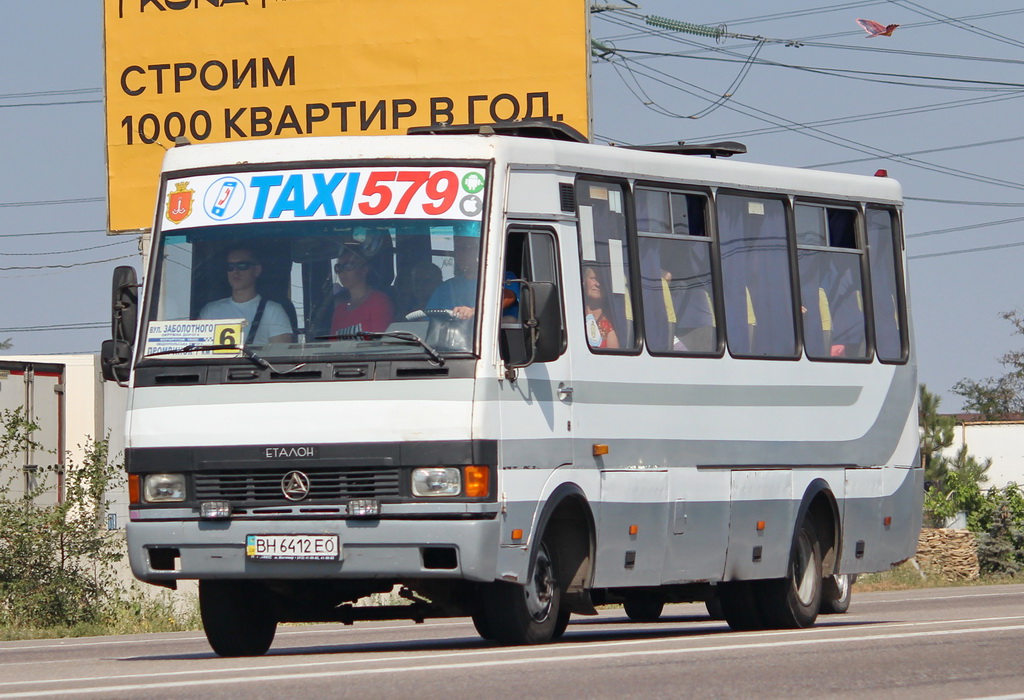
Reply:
x=965, y=251
x=77, y=250
x=85, y=325
x=52, y=233
x=64, y=267
x=967, y=227
x=48, y=202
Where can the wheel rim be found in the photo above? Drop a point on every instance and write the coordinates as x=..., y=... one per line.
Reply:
x=842, y=586
x=541, y=588
x=803, y=570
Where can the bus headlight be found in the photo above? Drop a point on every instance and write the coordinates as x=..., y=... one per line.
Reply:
x=164, y=488
x=436, y=481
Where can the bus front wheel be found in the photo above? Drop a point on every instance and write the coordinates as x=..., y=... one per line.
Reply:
x=237, y=619
x=525, y=614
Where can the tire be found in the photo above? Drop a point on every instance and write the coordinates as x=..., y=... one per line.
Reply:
x=482, y=626
x=525, y=614
x=644, y=609
x=561, y=624
x=237, y=617
x=837, y=590
x=714, y=607
x=793, y=602
x=739, y=607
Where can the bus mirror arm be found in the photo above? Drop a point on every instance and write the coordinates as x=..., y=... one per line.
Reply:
x=116, y=353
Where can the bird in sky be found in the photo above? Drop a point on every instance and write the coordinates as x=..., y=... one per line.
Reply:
x=876, y=28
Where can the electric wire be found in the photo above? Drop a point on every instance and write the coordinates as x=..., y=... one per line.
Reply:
x=50, y=202
x=65, y=266
x=816, y=133
x=76, y=250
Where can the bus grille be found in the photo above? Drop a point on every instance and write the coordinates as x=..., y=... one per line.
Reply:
x=325, y=484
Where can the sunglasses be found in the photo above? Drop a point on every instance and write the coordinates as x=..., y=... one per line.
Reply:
x=242, y=266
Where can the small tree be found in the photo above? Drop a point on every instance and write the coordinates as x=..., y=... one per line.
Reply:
x=1000, y=522
x=55, y=561
x=998, y=398
x=952, y=486
x=936, y=435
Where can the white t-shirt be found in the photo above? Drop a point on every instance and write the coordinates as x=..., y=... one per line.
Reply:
x=273, y=322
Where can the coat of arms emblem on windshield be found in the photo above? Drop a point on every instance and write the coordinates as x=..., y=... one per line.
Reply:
x=179, y=202
x=295, y=486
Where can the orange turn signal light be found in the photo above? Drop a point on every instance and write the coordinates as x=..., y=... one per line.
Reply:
x=517, y=534
x=477, y=481
x=600, y=450
x=134, y=489
x=633, y=529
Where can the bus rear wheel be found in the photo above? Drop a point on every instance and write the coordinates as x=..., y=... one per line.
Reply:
x=237, y=618
x=525, y=614
x=646, y=609
x=793, y=602
x=836, y=593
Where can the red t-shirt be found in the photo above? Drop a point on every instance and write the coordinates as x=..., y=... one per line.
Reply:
x=373, y=314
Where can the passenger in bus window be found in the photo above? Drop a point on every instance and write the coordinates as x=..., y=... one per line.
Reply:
x=600, y=332
x=365, y=308
x=458, y=294
x=266, y=320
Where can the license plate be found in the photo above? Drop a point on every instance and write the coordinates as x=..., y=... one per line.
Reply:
x=310, y=547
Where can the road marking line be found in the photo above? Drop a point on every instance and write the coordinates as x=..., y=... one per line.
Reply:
x=496, y=662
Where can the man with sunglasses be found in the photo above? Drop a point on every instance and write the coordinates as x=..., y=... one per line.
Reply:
x=266, y=321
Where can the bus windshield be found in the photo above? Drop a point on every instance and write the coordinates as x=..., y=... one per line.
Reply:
x=305, y=264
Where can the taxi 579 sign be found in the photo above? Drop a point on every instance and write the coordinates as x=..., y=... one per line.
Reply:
x=340, y=193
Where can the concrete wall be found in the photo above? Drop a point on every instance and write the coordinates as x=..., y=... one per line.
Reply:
x=1002, y=442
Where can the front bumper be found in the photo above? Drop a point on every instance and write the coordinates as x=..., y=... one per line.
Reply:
x=168, y=550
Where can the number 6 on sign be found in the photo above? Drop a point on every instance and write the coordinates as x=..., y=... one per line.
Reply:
x=228, y=334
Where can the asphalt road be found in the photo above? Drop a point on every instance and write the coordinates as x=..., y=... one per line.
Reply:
x=934, y=644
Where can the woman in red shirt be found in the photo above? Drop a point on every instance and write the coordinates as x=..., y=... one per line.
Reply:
x=366, y=309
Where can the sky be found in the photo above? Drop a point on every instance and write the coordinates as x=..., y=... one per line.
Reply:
x=937, y=105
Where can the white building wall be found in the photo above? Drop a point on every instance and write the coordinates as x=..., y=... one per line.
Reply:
x=93, y=409
x=1002, y=442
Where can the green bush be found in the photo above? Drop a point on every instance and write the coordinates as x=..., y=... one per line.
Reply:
x=56, y=561
x=999, y=522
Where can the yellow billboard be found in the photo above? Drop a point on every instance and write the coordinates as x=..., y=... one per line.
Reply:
x=227, y=70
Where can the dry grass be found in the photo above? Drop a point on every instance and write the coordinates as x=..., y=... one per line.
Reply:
x=906, y=576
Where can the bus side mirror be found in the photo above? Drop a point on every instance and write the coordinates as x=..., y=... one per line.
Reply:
x=124, y=304
x=537, y=337
x=116, y=361
x=116, y=353
x=545, y=304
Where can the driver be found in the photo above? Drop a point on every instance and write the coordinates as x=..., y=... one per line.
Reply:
x=266, y=320
x=459, y=292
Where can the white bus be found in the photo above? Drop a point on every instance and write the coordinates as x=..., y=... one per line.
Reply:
x=518, y=377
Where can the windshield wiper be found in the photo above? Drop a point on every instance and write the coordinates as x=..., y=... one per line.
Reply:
x=407, y=336
x=245, y=352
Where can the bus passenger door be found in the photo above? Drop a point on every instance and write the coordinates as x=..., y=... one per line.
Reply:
x=535, y=401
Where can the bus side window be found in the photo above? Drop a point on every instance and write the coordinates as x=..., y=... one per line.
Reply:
x=605, y=274
x=675, y=272
x=832, y=293
x=756, y=276
x=888, y=303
